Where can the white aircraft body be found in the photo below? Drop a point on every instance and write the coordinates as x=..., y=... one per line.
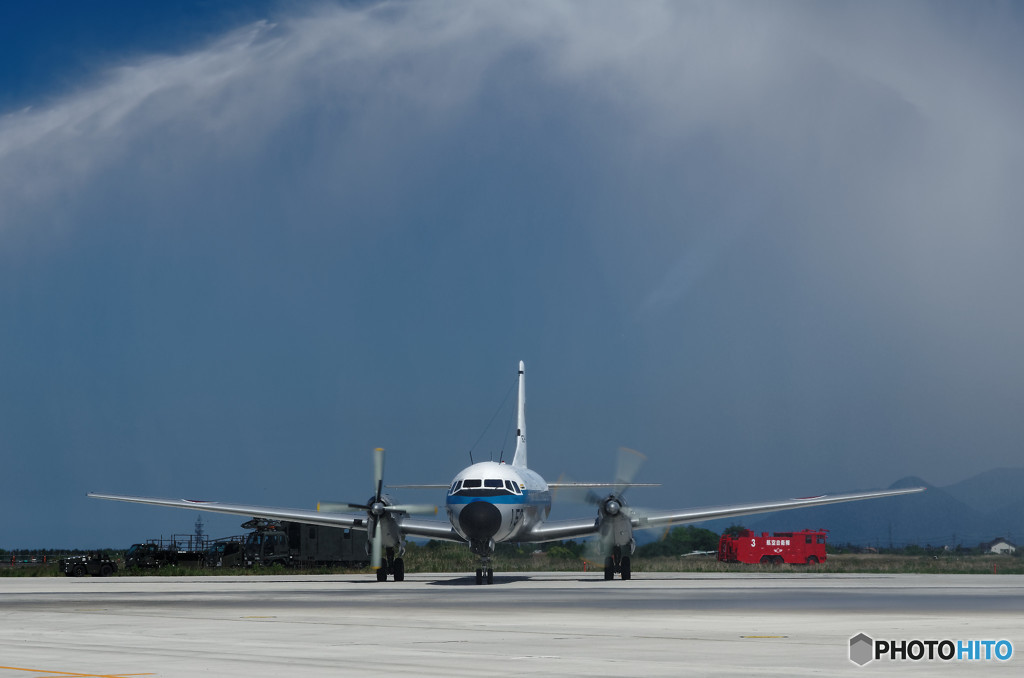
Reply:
x=492, y=502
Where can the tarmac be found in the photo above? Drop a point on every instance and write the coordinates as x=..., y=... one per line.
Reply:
x=549, y=624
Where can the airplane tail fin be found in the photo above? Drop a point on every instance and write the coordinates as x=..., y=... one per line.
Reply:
x=520, y=456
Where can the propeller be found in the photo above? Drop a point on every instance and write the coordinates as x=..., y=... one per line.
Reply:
x=339, y=507
x=378, y=509
x=615, y=516
x=627, y=466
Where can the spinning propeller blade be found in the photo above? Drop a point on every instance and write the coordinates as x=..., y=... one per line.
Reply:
x=378, y=471
x=377, y=548
x=629, y=464
x=377, y=510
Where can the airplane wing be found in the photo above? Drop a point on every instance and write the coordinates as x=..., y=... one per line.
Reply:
x=570, y=529
x=420, y=486
x=695, y=515
x=431, y=529
x=621, y=486
x=562, y=529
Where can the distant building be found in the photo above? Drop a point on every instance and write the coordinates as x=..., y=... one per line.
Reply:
x=998, y=545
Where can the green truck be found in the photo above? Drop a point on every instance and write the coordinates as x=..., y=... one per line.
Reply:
x=300, y=545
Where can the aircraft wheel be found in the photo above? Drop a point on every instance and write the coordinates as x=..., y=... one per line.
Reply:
x=609, y=569
x=490, y=576
x=624, y=568
x=479, y=576
x=382, y=574
x=399, y=569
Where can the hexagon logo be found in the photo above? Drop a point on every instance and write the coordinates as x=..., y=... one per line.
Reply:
x=862, y=649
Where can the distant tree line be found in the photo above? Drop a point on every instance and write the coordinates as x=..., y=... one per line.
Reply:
x=679, y=541
x=915, y=550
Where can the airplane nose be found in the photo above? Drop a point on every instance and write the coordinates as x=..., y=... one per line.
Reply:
x=480, y=520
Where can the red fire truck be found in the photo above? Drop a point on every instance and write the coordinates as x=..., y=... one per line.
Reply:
x=804, y=547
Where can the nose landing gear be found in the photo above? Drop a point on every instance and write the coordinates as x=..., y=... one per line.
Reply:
x=484, y=549
x=484, y=574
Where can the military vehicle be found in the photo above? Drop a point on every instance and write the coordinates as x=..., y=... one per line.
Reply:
x=95, y=564
x=302, y=545
x=184, y=550
x=270, y=542
x=229, y=552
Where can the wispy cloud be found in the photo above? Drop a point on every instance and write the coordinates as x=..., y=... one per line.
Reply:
x=786, y=91
x=806, y=213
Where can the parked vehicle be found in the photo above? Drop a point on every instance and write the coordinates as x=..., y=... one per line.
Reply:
x=229, y=552
x=804, y=547
x=95, y=564
x=270, y=542
x=183, y=550
x=302, y=545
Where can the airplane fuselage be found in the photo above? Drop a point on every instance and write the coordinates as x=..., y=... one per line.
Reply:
x=492, y=502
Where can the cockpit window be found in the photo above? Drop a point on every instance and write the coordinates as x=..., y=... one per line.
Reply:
x=491, y=487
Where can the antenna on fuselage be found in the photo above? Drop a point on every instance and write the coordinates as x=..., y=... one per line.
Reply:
x=489, y=423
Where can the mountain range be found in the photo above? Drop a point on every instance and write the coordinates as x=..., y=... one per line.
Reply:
x=966, y=513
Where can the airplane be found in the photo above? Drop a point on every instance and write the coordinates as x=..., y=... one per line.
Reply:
x=492, y=502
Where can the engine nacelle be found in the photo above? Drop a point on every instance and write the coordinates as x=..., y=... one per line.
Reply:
x=391, y=535
x=615, y=525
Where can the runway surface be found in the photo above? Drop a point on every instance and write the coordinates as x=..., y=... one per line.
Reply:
x=550, y=624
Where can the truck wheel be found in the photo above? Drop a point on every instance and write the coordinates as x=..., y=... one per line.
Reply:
x=106, y=571
x=812, y=560
x=78, y=571
x=766, y=560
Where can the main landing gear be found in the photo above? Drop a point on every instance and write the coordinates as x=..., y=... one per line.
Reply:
x=391, y=566
x=617, y=563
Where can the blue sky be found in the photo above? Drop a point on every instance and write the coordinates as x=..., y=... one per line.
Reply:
x=242, y=244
